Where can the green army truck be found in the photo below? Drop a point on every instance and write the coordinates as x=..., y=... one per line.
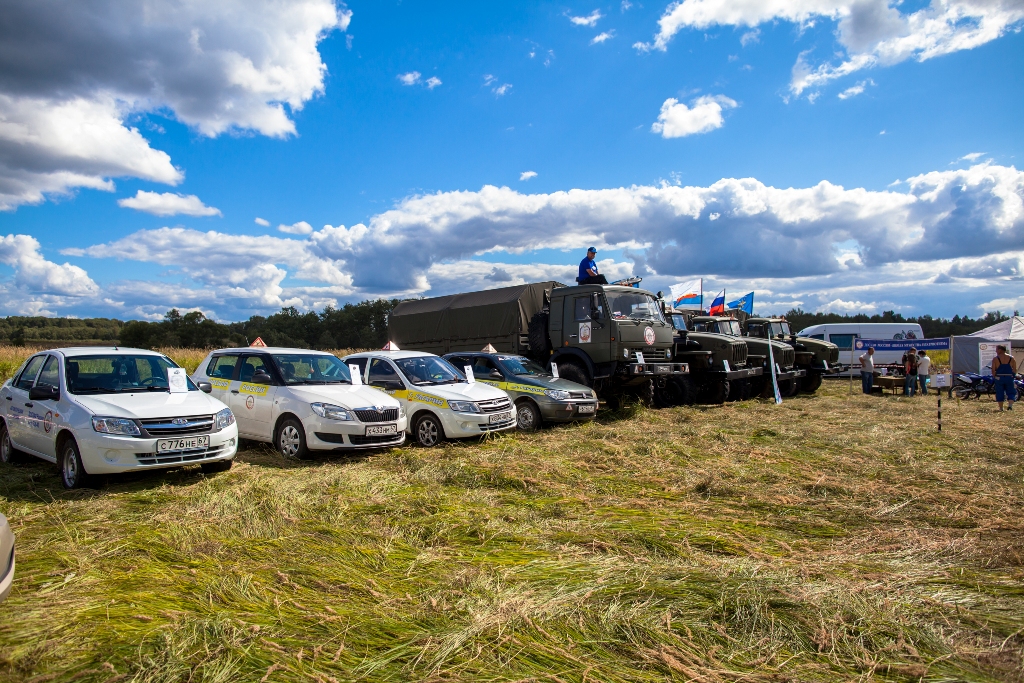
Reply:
x=787, y=374
x=718, y=363
x=815, y=356
x=612, y=338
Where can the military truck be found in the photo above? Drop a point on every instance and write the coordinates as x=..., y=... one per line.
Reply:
x=815, y=356
x=787, y=374
x=718, y=363
x=614, y=339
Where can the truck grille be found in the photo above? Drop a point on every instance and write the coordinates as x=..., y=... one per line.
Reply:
x=740, y=355
x=650, y=355
x=495, y=405
x=787, y=358
x=164, y=426
x=833, y=355
x=375, y=415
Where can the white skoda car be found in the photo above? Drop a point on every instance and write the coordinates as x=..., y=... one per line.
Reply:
x=440, y=401
x=301, y=401
x=108, y=410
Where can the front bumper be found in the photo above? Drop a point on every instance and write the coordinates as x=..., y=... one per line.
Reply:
x=787, y=375
x=566, y=411
x=107, y=454
x=335, y=435
x=654, y=369
x=735, y=375
x=465, y=425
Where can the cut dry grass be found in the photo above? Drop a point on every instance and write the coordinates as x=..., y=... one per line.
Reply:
x=834, y=537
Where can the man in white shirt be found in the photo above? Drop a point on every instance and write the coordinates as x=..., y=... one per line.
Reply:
x=924, y=366
x=867, y=370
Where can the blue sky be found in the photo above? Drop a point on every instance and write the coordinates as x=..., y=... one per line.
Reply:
x=834, y=155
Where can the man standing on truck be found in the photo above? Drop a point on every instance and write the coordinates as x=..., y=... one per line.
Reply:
x=588, y=270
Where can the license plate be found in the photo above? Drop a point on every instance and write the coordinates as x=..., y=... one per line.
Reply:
x=381, y=430
x=585, y=409
x=164, y=445
x=500, y=417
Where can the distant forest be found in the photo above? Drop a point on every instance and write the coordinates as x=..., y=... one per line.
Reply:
x=362, y=325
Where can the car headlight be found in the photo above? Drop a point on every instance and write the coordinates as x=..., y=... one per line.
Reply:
x=331, y=411
x=115, y=425
x=557, y=394
x=223, y=419
x=464, y=406
x=401, y=410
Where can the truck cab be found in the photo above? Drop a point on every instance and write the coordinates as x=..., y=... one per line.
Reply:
x=718, y=362
x=815, y=356
x=760, y=353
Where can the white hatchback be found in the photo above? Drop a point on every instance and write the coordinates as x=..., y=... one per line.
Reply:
x=107, y=410
x=440, y=401
x=301, y=401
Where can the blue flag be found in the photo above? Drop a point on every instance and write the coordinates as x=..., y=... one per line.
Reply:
x=745, y=303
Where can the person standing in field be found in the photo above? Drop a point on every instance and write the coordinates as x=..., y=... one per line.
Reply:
x=867, y=370
x=910, y=372
x=924, y=367
x=1004, y=368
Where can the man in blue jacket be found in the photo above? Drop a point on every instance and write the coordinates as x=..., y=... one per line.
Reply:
x=588, y=270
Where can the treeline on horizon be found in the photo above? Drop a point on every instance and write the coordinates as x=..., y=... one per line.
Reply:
x=361, y=325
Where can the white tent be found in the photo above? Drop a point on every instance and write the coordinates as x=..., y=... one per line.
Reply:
x=964, y=350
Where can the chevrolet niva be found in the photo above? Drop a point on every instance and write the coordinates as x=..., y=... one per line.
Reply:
x=301, y=401
x=441, y=402
x=108, y=410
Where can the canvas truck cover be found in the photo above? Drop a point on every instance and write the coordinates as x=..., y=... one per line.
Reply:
x=468, y=322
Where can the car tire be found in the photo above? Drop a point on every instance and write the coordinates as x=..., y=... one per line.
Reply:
x=428, y=431
x=8, y=453
x=215, y=467
x=528, y=417
x=291, y=440
x=574, y=373
x=72, y=471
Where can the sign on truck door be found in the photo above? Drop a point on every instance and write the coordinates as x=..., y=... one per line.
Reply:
x=586, y=325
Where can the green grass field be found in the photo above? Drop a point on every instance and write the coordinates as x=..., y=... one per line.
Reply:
x=834, y=537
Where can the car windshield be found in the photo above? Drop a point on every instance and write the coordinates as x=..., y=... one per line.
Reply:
x=731, y=327
x=781, y=328
x=310, y=368
x=638, y=306
x=117, y=373
x=428, y=370
x=517, y=365
x=678, y=321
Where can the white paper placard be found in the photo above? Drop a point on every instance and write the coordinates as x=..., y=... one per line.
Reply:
x=554, y=370
x=725, y=364
x=357, y=378
x=640, y=357
x=177, y=380
x=586, y=332
x=826, y=364
x=986, y=352
x=470, y=377
x=939, y=381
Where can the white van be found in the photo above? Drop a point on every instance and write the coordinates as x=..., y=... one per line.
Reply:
x=843, y=334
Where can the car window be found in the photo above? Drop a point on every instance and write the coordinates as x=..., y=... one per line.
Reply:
x=359, y=363
x=28, y=375
x=222, y=367
x=582, y=306
x=114, y=373
x=843, y=341
x=50, y=376
x=250, y=366
x=382, y=371
x=429, y=370
x=818, y=336
x=458, y=361
x=519, y=365
x=311, y=368
x=678, y=322
x=482, y=367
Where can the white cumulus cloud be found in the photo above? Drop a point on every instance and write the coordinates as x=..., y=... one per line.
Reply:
x=168, y=204
x=704, y=114
x=601, y=37
x=432, y=82
x=410, y=78
x=590, y=20
x=526, y=175
x=300, y=228
x=262, y=221
x=855, y=90
x=232, y=65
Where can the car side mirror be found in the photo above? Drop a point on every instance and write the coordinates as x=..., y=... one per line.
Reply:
x=388, y=384
x=205, y=387
x=496, y=374
x=261, y=377
x=44, y=393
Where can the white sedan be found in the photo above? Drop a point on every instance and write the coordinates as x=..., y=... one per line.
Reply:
x=301, y=401
x=108, y=410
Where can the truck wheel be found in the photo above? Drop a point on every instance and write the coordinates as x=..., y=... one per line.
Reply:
x=537, y=333
x=428, y=431
x=527, y=416
x=291, y=440
x=811, y=383
x=645, y=393
x=717, y=392
x=785, y=388
x=573, y=373
x=72, y=472
x=739, y=390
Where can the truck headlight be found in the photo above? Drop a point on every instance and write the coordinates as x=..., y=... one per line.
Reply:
x=464, y=406
x=557, y=394
x=625, y=353
x=116, y=425
x=668, y=354
x=223, y=419
x=331, y=411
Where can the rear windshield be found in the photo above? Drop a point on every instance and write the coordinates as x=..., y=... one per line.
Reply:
x=310, y=368
x=114, y=374
x=523, y=367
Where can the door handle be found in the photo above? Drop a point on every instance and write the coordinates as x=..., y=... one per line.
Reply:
x=8, y=398
x=573, y=336
x=28, y=405
x=234, y=391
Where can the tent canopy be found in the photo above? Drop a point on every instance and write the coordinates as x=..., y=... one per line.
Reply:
x=1008, y=329
x=965, y=357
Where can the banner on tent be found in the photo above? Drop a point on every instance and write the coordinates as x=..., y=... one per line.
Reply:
x=903, y=344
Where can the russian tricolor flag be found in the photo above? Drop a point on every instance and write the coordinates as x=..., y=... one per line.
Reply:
x=718, y=305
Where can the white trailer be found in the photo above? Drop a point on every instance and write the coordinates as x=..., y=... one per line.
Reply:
x=844, y=334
